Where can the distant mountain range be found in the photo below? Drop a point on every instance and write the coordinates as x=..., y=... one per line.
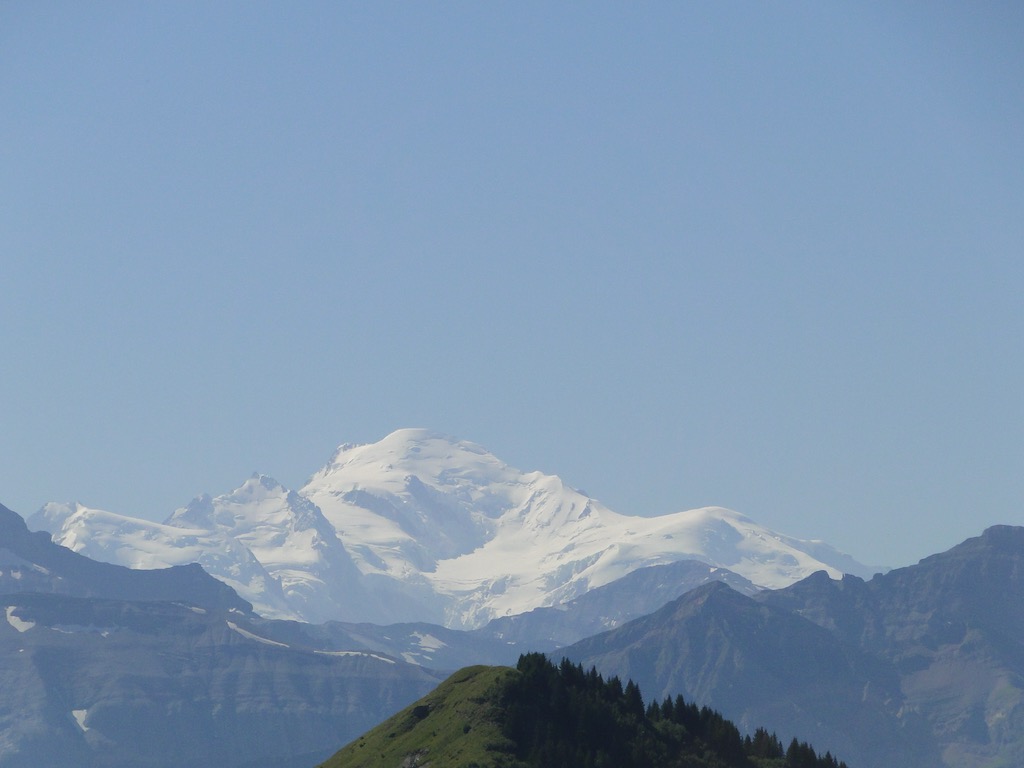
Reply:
x=101, y=665
x=920, y=667
x=106, y=667
x=422, y=527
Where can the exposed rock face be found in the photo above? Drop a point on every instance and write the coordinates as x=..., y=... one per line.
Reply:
x=952, y=627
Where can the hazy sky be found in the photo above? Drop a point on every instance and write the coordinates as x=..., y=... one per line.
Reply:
x=760, y=255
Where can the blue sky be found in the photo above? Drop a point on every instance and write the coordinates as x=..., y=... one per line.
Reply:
x=766, y=256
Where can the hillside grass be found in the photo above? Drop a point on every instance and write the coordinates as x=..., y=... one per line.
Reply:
x=459, y=720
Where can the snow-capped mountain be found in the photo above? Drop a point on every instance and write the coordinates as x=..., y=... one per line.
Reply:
x=143, y=544
x=290, y=538
x=268, y=543
x=423, y=527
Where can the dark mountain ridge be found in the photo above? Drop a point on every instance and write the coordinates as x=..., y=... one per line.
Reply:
x=31, y=562
x=636, y=594
x=758, y=665
x=918, y=667
x=936, y=601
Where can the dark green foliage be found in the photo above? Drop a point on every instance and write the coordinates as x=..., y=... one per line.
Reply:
x=566, y=716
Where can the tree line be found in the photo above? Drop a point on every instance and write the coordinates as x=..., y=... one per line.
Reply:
x=563, y=715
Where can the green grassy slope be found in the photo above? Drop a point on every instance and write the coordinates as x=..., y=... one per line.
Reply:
x=457, y=726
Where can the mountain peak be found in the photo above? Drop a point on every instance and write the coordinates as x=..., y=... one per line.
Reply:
x=1004, y=536
x=11, y=523
x=418, y=435
x=996, y=540
x=51, y=516
x=407, y=447
x=260, y=485
x=420, y=526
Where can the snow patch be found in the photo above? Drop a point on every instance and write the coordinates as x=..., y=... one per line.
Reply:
x=77, y=629
x=79, y=715
x=18, y=624
x=250, y=636
x=428, y=642
x=357, y=653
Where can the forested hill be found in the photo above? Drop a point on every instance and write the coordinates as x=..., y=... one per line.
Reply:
x=541, y=715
